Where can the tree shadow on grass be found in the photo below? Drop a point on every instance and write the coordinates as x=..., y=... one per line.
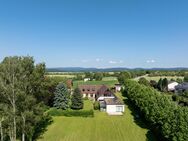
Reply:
x=141, y=122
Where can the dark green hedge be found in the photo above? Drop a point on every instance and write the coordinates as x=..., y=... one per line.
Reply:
x=159, y=110
x=71, y=113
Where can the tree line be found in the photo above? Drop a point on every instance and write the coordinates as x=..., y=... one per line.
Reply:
x=23, y=86
x=163, y=115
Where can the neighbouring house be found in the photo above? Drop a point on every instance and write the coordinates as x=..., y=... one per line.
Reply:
x=96, y=92
x=182, y=87
x=108, y=101
x=118, y=87
x=172, y=86
x=69, y=84
x=86, y=79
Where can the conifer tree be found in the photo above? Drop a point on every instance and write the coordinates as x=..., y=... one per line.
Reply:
x=77, y=100
x=62, y=97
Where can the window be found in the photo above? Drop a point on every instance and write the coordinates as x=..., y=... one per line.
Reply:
x=91, y=95
x=83, y=90
x=119, y=108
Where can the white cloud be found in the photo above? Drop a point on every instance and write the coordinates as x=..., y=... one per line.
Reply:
x=120, y=61
x=116, y=62
x=150, y=61
x=112, y=62
x=98, y=60
x=85, y=61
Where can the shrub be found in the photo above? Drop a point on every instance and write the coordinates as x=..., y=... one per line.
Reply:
x=71, y=113
x=96, y=105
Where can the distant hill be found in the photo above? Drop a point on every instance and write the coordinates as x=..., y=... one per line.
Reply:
x=80, y=69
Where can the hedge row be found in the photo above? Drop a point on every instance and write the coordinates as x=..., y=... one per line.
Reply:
x=71, y=113
x=160, y=111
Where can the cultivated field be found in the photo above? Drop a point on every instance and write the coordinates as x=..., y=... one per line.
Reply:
x=61, y=75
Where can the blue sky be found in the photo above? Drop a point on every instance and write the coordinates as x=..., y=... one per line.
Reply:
x=96, y=33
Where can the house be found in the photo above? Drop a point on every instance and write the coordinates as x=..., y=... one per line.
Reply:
x=182, y=87
x=172, y=86
x=86, y=79
x=108, y=101
x=96, y=92
x=117, y=87
x=114, y=106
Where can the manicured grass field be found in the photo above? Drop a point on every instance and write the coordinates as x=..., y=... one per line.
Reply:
x=99, y=128
x=109, y=78
x=109, y=83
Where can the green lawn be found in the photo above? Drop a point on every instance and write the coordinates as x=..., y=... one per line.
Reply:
x=100, y=128
x=109, y=79
x=109, y=83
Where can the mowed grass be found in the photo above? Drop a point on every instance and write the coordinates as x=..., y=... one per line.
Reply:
x=99, y=128
x=109, y=78
x=109, y=83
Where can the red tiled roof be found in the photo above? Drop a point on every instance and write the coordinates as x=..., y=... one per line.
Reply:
x=94, y=89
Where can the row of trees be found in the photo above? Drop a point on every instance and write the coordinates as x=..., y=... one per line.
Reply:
x=161, y=85
x=64, y=100
x=168, y=73
x=22, y=86
x=159, y=110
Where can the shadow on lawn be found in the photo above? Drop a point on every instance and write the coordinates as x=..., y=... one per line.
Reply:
x=139, y=120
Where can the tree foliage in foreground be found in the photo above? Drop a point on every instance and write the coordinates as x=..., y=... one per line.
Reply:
x=20, y=110
x=160, y=111
x=144, y=81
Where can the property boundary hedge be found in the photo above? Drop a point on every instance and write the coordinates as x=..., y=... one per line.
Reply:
x=159, y=110
x=71, y=113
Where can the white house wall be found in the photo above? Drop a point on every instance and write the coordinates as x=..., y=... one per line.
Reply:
x=171, y=87
x=112, y=108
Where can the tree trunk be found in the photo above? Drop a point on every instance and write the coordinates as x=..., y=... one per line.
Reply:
x=14, y=120
x=23, y=130
x=23, y=136
x=1, y=128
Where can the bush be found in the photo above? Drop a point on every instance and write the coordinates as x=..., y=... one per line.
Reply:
x=96, y=105
x=71, y=113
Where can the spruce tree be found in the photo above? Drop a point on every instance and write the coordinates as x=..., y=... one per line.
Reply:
x=165, y=85
x=62, y=97
x=77, y=100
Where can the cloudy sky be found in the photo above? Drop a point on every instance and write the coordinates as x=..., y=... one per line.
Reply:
x=96, y=33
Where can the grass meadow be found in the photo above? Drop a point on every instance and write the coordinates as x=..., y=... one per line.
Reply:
x=101, y=127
